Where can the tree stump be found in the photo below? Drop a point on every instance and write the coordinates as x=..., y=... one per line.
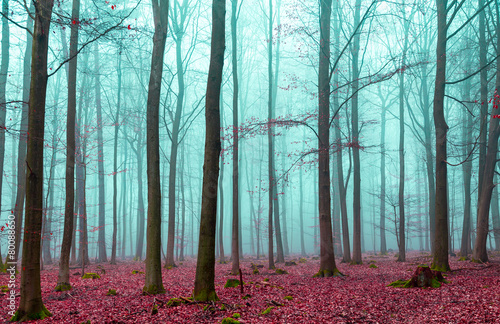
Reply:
x=422, y=277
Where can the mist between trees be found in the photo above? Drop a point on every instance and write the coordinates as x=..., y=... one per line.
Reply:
x=328, y=128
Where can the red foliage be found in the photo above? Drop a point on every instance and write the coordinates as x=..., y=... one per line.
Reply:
x=472, y=296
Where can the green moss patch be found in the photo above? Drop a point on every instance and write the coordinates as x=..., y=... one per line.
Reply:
x=290, y=263
x=63, y=287
x=246, y=296
x=4, y=289
x=288, y=297
x=267, y=310
x=372, y=266
x=174, y=302
x=236, y=315
x=231, y=283
x=111, y=292
x=328, y=273
x=229, y=320
x=281, y=271
x=137, y=272
x=91, y=275
x=423, y=277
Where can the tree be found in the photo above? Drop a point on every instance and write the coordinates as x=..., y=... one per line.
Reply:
x=153, y=283
x=327, y=267
x=356, y=216
x=4, y=69
x=440, y=261
x=69, y=215
x=101, y=239
x=235, y=230
x=31, y=305
x=483, y=209
x=204, y=286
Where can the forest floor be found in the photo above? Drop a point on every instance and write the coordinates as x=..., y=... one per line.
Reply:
x=362, y=296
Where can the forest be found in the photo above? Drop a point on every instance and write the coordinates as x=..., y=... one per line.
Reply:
x=250, y=161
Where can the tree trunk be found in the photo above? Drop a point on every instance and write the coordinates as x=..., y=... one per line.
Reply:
x=124, y=201
x=467, y=129
x=101, y=239
x=440, y=261
x=221, y=196
x=4, y=70
x=115, y=160
x=31, y=305
x=356, y=249
x=235, y=248
x=327, y=267
x=140, y=207
x=483, y=209
x=483, y=129
x=495, y=215
x=270, y=138
x=153, y=283
x=69, y=215
x=204, y=286
x=183, y=208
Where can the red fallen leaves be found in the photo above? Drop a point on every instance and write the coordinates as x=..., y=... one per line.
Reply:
x=472, y=296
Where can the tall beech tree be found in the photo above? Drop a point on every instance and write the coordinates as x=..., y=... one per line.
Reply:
x=327, y=267
x=235, y=248
x=204, y=286
x=101, y=238
x=31, y=304
x=69, y=214
x=440, y=261
x=153, y=283
x=483, y=209
x=4, y=68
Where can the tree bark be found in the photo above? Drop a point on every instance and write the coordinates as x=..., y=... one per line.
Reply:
x=204, y=286
x=356, y=249
x=69, y=215
x=153, y=283
x=115, y=160
x=327, y=267
x=21, y=156
x=483, y=209
x=31, y=305
x=4, y=70
x=440, y=261
x=235, y=253
x=101, y=239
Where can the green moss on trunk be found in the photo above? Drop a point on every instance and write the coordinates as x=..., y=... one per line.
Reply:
x=64, y=286
x=152, y=290
x=328, y=273
x=22, y=316
x=205, y=295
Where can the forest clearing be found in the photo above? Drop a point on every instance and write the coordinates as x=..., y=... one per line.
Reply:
x=362, y=296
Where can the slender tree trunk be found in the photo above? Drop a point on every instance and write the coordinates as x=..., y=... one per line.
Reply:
x=401, y=196
x=356, y=250
x=327, y=267
x=286, y=248
x=270, y=137
x=204, y=286
x=4, y=70
x=124, y=201
x=467, y=129
x=153, y=283
x=235, y=248
x=31, y=305
x=115, y=161
x=140, y=207
x=483, y=209
x=183, y=208
x=101, y=240
x=23, y=139
x=221, y=196
x=495, y=215
x=69, y=215
x=483, y=129
x=440, y=261
x=301, y=215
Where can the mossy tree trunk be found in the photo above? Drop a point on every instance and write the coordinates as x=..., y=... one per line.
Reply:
x=31, y=305
x=204, y=287
x=153, y=283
